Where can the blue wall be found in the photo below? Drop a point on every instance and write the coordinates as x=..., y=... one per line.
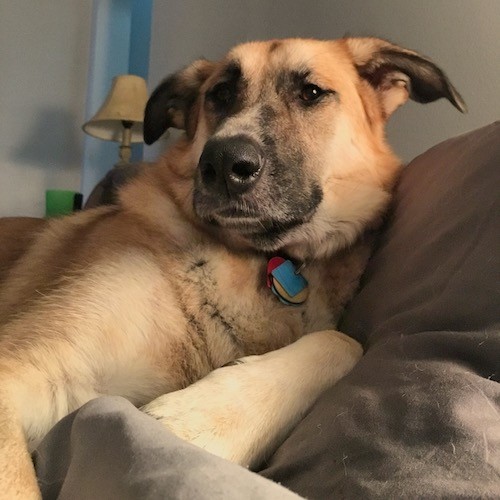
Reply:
x=121, y=35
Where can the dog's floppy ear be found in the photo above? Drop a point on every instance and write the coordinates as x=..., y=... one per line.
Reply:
x=398, y=74
x=171, y=102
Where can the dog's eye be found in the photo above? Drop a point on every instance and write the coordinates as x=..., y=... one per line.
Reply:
x=311, y=93
x=221, y=94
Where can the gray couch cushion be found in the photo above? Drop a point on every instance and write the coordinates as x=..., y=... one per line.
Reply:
x=420, y=414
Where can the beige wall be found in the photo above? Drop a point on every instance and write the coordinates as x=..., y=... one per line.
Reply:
x=461, y=35
x=43, y=68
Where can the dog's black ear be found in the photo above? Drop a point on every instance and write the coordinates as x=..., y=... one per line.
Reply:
x=171, y=102
x=398, y=74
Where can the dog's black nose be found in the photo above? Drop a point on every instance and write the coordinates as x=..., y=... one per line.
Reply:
x=230, y=165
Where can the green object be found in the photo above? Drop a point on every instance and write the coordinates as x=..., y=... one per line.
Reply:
x=59, y=202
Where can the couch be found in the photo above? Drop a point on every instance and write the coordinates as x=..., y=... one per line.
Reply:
x=418, y=417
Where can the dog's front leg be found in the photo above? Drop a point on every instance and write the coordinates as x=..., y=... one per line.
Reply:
x=243, y=411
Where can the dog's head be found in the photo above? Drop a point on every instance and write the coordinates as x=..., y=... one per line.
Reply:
x=284, y=146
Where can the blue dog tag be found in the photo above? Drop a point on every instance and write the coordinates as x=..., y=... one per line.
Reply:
x=286, y=283
x=286, y=275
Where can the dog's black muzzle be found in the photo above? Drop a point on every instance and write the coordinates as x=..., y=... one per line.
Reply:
x=242, y=186
x=230, y=167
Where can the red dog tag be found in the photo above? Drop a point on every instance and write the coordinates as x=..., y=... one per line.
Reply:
x=271, y=266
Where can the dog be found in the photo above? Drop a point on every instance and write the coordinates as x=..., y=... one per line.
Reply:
x=209, y=296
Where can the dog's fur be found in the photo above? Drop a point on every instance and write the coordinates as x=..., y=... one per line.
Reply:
x=149, y=297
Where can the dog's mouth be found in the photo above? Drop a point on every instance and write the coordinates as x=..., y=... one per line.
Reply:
x=261, y=229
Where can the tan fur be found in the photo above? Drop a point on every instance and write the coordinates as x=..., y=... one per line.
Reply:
x=17, y=234
x=147, y=298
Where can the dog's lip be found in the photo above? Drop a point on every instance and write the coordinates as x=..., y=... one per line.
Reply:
x=232, y=215
x=240, y=222
x=236, y=213
x=254, y=224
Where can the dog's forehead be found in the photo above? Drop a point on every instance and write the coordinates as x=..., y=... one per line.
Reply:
x=262, y=60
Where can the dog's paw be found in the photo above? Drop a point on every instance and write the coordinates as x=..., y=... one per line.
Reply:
x=241, y=412
x=339, y=345
x=206, y=414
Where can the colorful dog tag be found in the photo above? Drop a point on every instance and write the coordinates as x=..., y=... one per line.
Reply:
x=271, y=266
x=287, y=284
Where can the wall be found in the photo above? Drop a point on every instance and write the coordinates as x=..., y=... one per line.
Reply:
x=43, y=63
x=461, y=35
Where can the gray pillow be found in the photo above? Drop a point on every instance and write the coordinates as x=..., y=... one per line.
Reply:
x=420, y=414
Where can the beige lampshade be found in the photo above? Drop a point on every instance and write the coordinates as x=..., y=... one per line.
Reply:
x=125, y=102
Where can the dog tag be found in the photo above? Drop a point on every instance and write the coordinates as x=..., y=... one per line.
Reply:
x=271, y=266
x=285, y=282
x=280, y=298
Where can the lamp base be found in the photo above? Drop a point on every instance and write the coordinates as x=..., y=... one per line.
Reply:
x=125, y=148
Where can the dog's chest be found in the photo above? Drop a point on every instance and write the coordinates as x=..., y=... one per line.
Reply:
x=226, y=300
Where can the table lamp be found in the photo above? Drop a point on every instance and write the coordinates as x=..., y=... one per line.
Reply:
x=120, y=118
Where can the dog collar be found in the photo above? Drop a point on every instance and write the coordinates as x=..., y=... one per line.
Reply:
x=286, y=281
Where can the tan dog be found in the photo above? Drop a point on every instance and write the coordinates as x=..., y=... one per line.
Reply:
x=283, y=154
